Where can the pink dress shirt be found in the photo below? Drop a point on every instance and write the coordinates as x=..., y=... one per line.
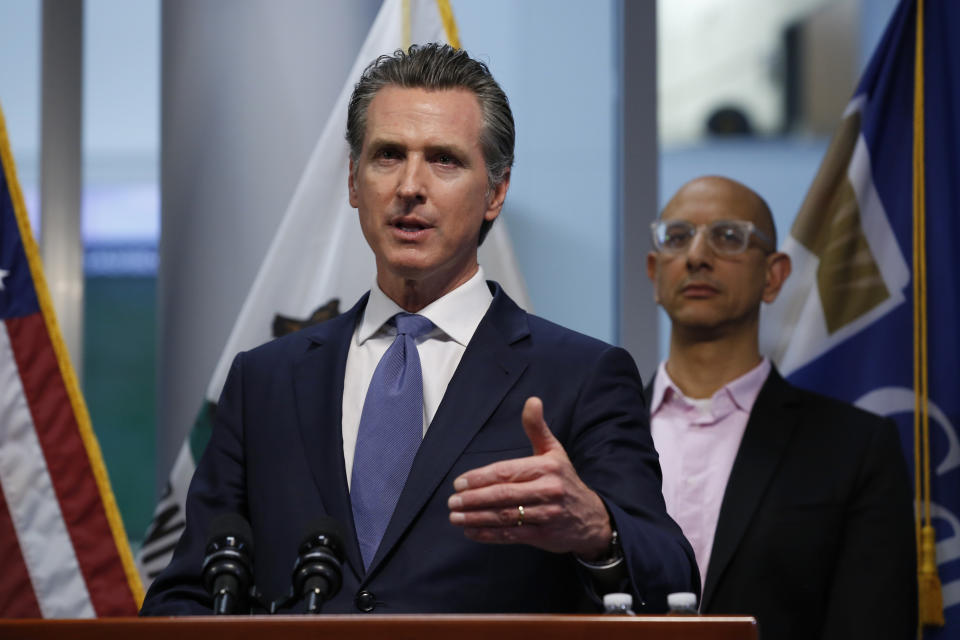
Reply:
x=697, y=440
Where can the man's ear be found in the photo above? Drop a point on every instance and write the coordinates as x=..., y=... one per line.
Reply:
x=778, y=270
x=497, y=197
x=351, y=185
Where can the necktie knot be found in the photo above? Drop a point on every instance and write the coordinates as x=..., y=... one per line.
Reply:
x=412, y=324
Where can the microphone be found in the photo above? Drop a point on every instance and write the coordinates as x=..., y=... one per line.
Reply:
x=318, y=571
x=227, y=566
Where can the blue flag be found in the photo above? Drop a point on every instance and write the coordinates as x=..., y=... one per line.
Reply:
x=844, y=324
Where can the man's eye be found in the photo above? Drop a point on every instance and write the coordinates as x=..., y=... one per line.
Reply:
x=446, y=159
x=387, y=153
x=675, y=236
x=728, y=235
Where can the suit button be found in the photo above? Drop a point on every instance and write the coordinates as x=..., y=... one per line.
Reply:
x=365, y=601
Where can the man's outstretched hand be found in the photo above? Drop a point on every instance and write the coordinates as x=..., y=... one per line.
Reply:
x=559, y=512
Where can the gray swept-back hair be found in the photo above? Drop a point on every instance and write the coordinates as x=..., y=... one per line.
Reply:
x=439, y=66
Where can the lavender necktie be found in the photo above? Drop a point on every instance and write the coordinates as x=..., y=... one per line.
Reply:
x=391, y=428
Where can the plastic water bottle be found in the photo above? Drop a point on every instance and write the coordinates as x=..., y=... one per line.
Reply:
x=682, y=603
x=618, y=604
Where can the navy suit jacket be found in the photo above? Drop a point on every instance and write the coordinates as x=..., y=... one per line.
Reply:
x=815, y=535
x=276, y=457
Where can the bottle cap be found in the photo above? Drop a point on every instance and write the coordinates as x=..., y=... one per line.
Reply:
x=617, y=601
x=682, y=600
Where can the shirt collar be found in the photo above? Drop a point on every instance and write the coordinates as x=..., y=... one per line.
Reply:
x=661, y=383
x=743, y=390
x=457, y=314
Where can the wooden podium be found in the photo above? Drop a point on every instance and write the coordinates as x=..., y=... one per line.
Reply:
x=400, y=627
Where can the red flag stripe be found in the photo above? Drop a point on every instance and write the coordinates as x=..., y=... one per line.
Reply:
x=69, y=467
x=17, y=599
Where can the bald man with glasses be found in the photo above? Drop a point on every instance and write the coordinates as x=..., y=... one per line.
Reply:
x=798, y=506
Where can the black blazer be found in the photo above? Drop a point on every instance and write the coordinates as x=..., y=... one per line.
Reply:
x=276, y=457
x=815, y=535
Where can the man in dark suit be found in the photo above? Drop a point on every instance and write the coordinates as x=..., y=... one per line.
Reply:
x=490, y=509
x=798, y=506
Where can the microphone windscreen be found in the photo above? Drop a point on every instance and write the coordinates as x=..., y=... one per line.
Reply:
x=327, y=526
x=231, y=524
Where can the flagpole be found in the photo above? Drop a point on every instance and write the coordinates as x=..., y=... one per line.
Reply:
x=930, y=591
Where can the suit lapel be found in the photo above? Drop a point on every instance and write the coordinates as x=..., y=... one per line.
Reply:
x=489, y=364
x=318, y=389
x=770, y=428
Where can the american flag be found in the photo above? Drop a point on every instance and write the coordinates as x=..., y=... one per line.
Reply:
x=62, y=544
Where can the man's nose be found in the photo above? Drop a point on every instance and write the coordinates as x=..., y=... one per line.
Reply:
x=699, y=253
x=412, y=185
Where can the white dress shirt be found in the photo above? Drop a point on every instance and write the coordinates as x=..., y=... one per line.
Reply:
x=455, y=317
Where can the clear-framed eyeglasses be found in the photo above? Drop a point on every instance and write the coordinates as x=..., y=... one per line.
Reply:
x=725, y=237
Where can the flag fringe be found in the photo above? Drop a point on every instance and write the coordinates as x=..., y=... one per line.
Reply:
x=449, y=23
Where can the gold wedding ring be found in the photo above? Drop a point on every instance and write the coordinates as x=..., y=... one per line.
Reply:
x=520, y=515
